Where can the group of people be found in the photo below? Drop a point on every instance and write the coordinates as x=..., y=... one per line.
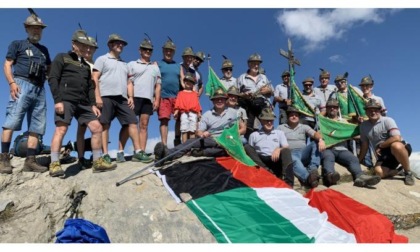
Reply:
x=95, y=92
x=296, y=147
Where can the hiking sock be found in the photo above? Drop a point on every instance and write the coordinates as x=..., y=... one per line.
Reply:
x=55, y=156
x=31, y=152
x=96, y=154
x=5, y=147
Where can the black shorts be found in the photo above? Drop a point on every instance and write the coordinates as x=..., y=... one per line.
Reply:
x=388, y=160
x=116, y=106
x=82, y=113
x=143, y=106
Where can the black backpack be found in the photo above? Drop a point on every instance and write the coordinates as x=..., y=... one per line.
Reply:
x=20, y=145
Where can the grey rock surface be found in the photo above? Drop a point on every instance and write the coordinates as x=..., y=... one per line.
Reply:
x=33, y=206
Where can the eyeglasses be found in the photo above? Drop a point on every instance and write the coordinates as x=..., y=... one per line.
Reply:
x=227, y=69
x=146, y=49
x=293, y=114
x=307, y=85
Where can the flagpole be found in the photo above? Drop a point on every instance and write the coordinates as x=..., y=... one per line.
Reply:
x=172, y=154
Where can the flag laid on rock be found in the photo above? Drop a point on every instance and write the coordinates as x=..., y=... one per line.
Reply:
x=243, y=204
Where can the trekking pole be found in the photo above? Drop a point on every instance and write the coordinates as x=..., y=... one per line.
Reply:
x=171, y=155
x=159, y=161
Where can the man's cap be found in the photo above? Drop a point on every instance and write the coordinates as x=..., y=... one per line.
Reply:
x=115, y=37
x=188, y=52
x=291, y=109
x=201, y=56
x=146, y=44
x=189, y=77
x=219, y=93
x=267, y=114
x=169, y=44
x=232, y=90
x=227, y=63
x=255, y=57
x=324, y=73
x=93, y=41
x=82, y=37
x=372, y=103
x=366, y=81
x=332, y=102
x=308, y=79
x=341, y=77
x=285, y=73
x=34, y=20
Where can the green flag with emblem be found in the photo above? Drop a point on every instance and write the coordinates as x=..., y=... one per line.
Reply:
x=334, y=132
x=344, y=105
x=297, y=99
x=230, y=140
x=213, y=83
x=356, y=103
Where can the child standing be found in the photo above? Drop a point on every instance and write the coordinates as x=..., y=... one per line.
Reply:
x=188, y=108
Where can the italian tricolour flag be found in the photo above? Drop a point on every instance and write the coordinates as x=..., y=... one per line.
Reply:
x=244, y=204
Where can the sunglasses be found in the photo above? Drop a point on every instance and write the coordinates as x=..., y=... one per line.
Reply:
x=146, y=49
x=227, y=69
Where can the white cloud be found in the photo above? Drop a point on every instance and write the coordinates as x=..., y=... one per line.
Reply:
x=336, y=59
x=317, y=26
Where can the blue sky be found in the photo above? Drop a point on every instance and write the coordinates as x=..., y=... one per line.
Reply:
x=381, y=42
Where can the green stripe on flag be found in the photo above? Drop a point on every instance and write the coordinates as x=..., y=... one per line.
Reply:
x=240, y=216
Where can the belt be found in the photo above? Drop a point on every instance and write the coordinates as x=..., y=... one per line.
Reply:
x=32, y=81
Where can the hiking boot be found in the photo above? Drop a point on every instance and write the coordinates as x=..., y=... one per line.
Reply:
x=102, y=165
x=409, y=178
x=141, y=157
x=120, y=157
x=160, y=151
x=107, y=158
x=197, y=153
x=366, y=180
x=84, y=164
x=313, y=179
x=5, y=166
x=31, y=165
x=331, y=178
x=55, y=169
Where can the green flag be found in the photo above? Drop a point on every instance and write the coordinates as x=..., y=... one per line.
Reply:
x=297, y=99
x=231, y=141
x=334, y=132
x=213, y=83
x=356, y=103
x=344, y=105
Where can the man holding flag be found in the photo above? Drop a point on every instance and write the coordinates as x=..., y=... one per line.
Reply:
x=211, y=125
x=339, y=153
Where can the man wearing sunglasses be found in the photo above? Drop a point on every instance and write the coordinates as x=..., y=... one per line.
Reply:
x=227, y=79
x=144, y=78
x=325, y=89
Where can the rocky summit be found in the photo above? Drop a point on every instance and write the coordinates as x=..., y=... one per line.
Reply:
x=34, y=206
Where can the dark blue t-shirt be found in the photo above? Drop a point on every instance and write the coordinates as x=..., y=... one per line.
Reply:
x=22, y=52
